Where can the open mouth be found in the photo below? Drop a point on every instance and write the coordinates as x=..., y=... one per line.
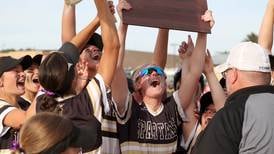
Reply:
x=20, y=83
x=155, y=82
x=35, y=81
x=96, y=57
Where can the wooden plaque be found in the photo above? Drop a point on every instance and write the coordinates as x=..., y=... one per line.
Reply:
x=172, y=14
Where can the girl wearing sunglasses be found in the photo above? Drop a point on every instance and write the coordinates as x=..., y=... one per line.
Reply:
x=149, y=122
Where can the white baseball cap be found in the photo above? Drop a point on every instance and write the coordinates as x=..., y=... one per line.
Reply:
x=247, y=56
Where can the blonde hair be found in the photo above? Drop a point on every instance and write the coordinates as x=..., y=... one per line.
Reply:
x=43, y=131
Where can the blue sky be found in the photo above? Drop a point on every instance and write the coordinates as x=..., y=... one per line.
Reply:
x=37, y=24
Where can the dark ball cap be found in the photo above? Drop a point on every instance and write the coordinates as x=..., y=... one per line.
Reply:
x=205, y=101
x=96, y=40
x=7, y=63
x=37, y=59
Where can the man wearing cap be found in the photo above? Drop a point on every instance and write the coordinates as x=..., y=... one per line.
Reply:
x=12, y=79
x=245, y=124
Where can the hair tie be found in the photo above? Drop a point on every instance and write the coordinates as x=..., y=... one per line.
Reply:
x=48, y=93
x=14, y=145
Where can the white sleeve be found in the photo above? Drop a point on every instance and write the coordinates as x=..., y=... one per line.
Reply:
x=98, y=90
x=4, y=129
x=179, y=106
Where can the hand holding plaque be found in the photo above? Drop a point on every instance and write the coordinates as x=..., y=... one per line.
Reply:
x=171, y=14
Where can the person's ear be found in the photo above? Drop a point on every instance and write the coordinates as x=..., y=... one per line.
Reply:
x=234, y=75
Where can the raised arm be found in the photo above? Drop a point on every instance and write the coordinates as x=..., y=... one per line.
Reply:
x=110, y=38
x=190, y=80
x=185, y=52
x=217, y=92
x=83, y=36
x=160, y=49
x=119, y=84
x=266, y=31
x=68, y=23
x=69, y=28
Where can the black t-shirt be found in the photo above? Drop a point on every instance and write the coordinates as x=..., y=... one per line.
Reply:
x=145, y=132
x=79, y=110
x=24, y=104
x=89, y=105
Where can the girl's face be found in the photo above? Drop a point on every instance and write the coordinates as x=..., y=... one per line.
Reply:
x=13, y=81
x=208, y=115
x=92, y=55
x=152, y=82
x=32, y=82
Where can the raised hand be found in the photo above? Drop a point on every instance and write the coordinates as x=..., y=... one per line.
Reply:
x=208, y=17
x=82, y=76
x=122, y=5
x=185, y=49
x=111, y=7
x=209, y=65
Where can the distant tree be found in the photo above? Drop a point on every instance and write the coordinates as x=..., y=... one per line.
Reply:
x=7, y=50
x=252, y=37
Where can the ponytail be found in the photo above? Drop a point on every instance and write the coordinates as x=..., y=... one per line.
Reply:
x=48, y=104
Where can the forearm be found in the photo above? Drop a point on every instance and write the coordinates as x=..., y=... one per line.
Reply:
x=108, y=28
x=122, y=32
x=119, y=84
x=197, y=59
x=32, y=109
x=110, y=39
x=266, y=30
x=68, y=23
x=217, y=92
x=189, y=81
x=83, y=36
x=15, y=118
x=160, y=50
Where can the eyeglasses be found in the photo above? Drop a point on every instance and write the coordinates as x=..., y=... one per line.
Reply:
x=224, y=73
x=150, y=70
